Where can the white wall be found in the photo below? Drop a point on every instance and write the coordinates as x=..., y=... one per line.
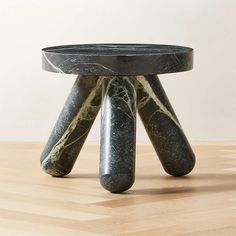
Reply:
x=204, y=99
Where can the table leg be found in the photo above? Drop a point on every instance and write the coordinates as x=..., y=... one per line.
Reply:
x=73, y=125
x=163, y=127
x=118, y=131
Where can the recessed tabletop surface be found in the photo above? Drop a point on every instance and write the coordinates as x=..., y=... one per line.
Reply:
x=117, y=59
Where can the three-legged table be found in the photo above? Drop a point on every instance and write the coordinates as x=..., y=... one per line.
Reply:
x=120, y=78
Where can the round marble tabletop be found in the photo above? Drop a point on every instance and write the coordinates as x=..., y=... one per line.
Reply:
x=117, y=59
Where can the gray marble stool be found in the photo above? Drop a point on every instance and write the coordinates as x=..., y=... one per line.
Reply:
x=121, y=78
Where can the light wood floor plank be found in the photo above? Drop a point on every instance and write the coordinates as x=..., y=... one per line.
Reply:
x=33, y=203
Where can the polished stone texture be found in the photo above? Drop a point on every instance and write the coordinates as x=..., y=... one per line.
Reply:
x=117, y=59
x=163, y=127
x=118, y=129
x=72, y=127
x=123, y=75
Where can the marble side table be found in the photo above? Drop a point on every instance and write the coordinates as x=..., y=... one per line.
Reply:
x=119, y=78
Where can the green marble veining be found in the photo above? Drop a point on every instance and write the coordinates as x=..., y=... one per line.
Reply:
x=118, y=131
x=163, y=127
x=125, y=77
x=88, y=111
x=120, y=92
x=151, y=95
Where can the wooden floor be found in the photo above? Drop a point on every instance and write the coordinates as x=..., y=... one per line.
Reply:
x=33, y=203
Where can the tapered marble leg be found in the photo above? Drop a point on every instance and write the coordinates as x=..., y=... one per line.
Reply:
x=118, y=130
x=163, y=127
x=73, y=125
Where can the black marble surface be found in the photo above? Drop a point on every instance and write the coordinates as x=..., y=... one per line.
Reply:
x=123, y=73
x=163, y=127
x=118, y=130
x=72, y=127
x=117, y=59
